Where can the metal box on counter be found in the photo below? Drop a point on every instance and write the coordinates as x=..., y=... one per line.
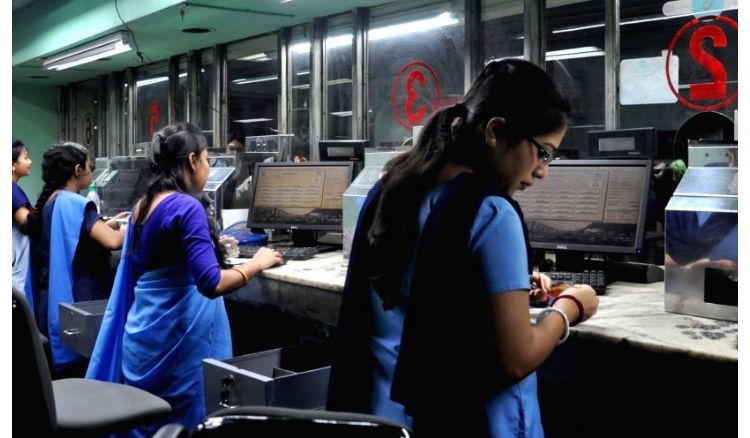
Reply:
x=701, y=244
x=704, y=153
x=79, y=324
x=293, y=377
x=355, y=195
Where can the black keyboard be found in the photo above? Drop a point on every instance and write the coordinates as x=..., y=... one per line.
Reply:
x=287, y=252
x=595, y=279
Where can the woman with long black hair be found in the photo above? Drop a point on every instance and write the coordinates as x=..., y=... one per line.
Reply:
x=70, y=244
x=434, y=329
x=166, y=313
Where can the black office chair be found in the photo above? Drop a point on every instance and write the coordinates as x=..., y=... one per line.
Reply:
x=72, y=407
x=271, y=421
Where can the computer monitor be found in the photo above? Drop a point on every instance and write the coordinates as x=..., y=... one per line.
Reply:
x=596, y=206
x=344, y=150
x=623, y=143
x=299, y=196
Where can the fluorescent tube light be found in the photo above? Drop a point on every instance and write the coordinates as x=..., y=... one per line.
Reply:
x=260, y=119
x=108, y=46
x=258, y=57
x=254, y=80
x=442, y=20
x=576, y=52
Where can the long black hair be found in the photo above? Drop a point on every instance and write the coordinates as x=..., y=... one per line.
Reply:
x=516, y=90
x=58, y=166
x=18, y=146
x=171, y=146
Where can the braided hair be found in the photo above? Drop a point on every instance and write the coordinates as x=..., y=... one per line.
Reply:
x=58, y=166
x=171, y=147
x=516, y=90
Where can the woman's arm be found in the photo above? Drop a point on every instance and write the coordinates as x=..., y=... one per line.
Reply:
x=21, y=215
x=108, y=234
x=231, y=279
x=522, y=347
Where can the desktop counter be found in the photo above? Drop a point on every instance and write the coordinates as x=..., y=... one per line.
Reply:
x=632, y=370
x=629, y=313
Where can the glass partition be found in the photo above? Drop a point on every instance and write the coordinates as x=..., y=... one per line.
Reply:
x=502, y=29
x=253, y=87
x=575, y=58
x=338, y=90
x=299, y=64
x=151, y=97
x=416, y=58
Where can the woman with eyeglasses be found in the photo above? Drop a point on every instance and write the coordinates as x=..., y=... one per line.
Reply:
x=71, y=244
x=434, y=328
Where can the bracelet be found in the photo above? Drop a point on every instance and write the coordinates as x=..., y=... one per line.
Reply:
x=244, y=276
x=549, y=310
x=578, y=304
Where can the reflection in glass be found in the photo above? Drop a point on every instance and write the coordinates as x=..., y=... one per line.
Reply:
x=415, y=66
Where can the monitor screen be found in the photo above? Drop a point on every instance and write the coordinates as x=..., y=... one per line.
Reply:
x=623, y=143
x=305, y=196
x=342, y=150
x=588, y=205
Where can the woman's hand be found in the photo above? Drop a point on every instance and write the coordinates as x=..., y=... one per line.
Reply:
x=540, y=286
x=114, y=223
x=266, y=258
x=585, y=295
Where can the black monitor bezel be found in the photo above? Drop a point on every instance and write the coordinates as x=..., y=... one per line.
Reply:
x=646, y=150
x=358, y=146
x=641, y=227
x=280, y=226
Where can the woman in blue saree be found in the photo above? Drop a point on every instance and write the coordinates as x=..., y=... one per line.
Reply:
x=70, y=246
x=166, y=313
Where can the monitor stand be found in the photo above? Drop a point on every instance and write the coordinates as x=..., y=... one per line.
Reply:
x=303, y=238
x=615, y=270
x=331, y=238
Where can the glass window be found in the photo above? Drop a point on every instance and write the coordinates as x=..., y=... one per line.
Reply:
x=206, y=93
x=502, y=29
x=87, y=105
x=253, y=87
x=338, y=46
x=645, y=34
x=151, y=97
x=575, y=58
x=182, y=91
x=416, y=65
x=299, y=63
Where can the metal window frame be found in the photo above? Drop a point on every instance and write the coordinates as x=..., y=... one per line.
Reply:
x=360, y=72
x=317, y=61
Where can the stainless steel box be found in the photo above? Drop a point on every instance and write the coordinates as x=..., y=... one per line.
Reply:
x=701, y=257
x=79, y=325
x=712, y=154
x=293, y=377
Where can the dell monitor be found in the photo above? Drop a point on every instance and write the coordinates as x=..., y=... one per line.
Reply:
x=594, y=206
x=299, y=196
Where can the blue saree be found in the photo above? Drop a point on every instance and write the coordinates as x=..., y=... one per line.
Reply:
x=156, y=331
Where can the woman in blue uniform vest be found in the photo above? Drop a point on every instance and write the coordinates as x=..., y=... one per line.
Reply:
x=434, y=329
x=71, y=244
x=166, y=313
x=21, y=209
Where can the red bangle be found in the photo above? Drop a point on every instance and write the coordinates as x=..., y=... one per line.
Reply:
x=578, y=304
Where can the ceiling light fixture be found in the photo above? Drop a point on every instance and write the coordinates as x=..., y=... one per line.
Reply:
x=108, y=46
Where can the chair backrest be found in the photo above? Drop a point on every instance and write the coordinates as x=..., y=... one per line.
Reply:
x=270, y=421
x=32, y=385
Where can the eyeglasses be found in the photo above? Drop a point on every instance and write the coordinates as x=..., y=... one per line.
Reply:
x=545, y=156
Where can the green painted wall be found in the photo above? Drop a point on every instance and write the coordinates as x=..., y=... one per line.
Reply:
x=35, y=123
